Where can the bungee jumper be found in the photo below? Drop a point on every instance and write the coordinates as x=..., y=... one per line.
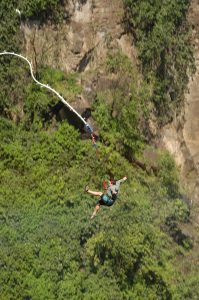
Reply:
x=108, y=198
x=87, y=127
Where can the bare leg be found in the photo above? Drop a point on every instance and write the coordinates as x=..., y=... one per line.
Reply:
x=97, y=207
x=99, y=194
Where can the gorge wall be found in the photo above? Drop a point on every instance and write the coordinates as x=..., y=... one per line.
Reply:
x=90, y=29
x=181, y=137
x=80, y=43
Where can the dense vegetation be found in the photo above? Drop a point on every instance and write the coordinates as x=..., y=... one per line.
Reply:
x=49, y=247
x=163, y=38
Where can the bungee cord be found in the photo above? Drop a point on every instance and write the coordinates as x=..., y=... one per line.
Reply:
x=87, y=126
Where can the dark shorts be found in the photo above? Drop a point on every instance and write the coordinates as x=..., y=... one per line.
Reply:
x=105, y=200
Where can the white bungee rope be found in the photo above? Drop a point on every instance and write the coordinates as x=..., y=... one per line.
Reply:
x=87, y=126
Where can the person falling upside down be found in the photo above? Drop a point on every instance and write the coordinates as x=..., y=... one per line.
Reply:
x=108, y=198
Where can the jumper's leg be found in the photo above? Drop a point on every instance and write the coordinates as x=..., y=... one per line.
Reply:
x=99, y=194
x=97, y=207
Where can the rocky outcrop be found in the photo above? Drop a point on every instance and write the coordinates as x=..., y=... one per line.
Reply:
x=81, y=41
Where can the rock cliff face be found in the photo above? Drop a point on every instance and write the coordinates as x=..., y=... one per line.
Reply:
x=181, y=137
x=90, y=29
x=81, y=42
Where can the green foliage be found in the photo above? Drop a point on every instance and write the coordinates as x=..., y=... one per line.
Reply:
x=39, y=102
x=122, y=132
x=12, y=76
x=42, y=9
x=189, y=285
x=35, y=101
x=9, y=26
x=119, y=111
x=117, y=61
x=67, y=84
x=129, y=252
x=181, y=211
x=162, y=36
x=50, y=249
x=13, y=73
x=168, y=175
